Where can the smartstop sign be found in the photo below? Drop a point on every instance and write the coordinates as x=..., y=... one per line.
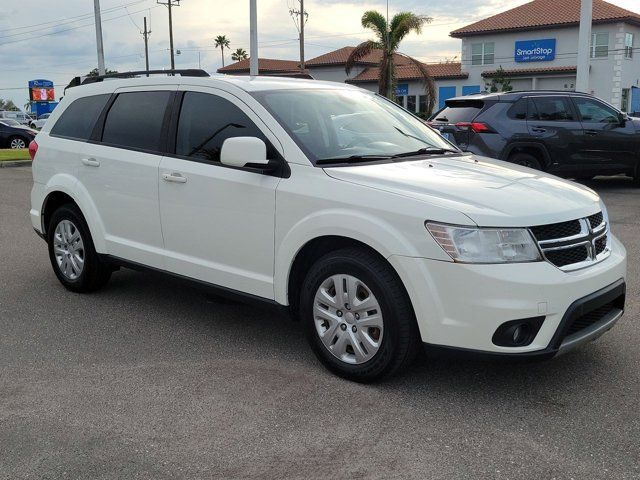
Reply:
x=536, y=50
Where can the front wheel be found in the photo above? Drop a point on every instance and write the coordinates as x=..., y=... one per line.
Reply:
x=358, y=316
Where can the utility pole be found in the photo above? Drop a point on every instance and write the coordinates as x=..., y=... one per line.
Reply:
x=100, y=46
x=253, y=40
x=300, y=18
x=584, y=46
x=146, y=34
x=169, y=4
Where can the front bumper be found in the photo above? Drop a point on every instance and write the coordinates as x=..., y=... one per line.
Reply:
x=460, y=306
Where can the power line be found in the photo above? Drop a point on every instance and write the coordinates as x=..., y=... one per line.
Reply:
x=67, y=21
x=67, y=29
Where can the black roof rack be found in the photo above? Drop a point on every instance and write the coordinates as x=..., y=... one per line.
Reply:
x=189, y=72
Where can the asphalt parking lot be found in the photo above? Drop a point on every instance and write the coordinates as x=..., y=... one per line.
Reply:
x=150, y=378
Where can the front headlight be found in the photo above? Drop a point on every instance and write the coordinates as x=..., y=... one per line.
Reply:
x=485, y=245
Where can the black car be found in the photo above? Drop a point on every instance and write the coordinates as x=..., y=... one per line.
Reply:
x=15, y=135
x=565, y=133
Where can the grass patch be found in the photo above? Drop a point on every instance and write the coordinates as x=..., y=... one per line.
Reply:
x=14, y=154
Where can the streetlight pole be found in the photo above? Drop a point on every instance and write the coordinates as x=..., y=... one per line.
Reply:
x=584, y=49
x=302, y=19
x=99, y=45
x=253, y=41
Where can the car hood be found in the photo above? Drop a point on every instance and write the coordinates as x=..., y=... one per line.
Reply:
x=489, y=192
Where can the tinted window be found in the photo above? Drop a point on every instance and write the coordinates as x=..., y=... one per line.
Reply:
x=551, y=109
x=518, y=111
x=595, y=112
x=78, y=120
x=459, y=112
x=206, y=121
x=135, y=120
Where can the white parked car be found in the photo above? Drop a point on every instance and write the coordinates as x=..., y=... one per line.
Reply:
x=332, y=203
x=39, y=123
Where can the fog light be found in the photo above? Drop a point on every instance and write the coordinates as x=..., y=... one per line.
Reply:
x=517, y=333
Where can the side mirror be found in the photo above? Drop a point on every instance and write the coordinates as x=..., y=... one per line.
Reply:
x=622, y=119
x=240, y=151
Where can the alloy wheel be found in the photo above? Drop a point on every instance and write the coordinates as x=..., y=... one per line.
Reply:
x=17, y=143
x=348, y=319
x=68, y=248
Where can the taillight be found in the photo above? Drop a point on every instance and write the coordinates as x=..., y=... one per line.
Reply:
x=476, y=127
x=33, y=149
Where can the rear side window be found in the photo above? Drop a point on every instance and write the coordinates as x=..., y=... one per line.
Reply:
x=78, y=120
x=456, y=112
x=551, y=109
x=206, y=121
x=518, y=111
x=135, y=120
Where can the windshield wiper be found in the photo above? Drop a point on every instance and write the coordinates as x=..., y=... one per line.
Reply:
x=426, y=151
x=354, y=159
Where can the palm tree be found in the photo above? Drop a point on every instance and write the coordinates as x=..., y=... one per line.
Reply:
x=389, y=35
x=239, y=54
x=221, y=41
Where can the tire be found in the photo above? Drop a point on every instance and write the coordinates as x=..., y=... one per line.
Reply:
x=392, y=340
x=526, y=160
x=18, y=142
x=72, y=253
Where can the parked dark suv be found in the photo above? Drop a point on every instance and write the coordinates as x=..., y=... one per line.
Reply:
x=569, y=134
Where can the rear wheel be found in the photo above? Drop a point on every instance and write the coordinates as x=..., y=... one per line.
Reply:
x=72, y=254
x=17, y=142
x=357, y=316
x=526, y=160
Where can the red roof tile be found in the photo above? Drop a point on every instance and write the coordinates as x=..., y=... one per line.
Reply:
x=411, y=72
x=546, y=13
x=265, y=65
x=523, y=72
x=340, y=56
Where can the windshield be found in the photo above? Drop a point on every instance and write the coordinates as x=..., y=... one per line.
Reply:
x=337, y=124
x=10, y=122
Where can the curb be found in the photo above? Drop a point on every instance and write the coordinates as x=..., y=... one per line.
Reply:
x=15, y=163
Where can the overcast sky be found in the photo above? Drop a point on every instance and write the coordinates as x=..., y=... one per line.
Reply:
x=56, y=40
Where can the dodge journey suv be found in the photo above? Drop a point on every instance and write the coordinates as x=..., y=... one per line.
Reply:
x=330, y=202
x=565, y=133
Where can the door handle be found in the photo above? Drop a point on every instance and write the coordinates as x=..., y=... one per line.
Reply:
x=538, y=129
x=591, y=133
x=174, y=177
x=90, y=162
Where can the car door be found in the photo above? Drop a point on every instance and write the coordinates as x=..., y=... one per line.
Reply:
x=218, y=221
x=552, y=121
x=611, y=140
x=119, y=169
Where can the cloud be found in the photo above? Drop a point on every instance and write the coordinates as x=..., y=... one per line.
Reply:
x=25, y=53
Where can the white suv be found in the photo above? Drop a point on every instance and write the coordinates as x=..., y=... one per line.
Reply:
x=331, y=202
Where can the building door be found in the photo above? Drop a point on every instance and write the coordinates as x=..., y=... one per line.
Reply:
x=445, y=93
x=470, y=89
x=635, y=102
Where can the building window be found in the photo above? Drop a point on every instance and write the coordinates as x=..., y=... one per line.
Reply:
x=625, y=100
x=599, y=45
x=483, y=53
x=400, y=100
x=411, y=103
x=628, y=45
x=422, y=103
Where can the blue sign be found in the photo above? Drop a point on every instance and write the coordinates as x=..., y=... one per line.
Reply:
x=402, y=89
x=40, y=84
x=536, y=50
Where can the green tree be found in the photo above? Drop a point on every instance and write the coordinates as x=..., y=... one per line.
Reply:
x=500, y=82
x=389, y=35
x=239, y=54
x=8, y=105
x=94, y=72
x=221, y=41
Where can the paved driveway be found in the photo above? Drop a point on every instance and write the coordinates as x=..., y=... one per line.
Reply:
x=151, y=378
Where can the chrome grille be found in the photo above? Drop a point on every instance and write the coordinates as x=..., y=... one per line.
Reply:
x=574, y=244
